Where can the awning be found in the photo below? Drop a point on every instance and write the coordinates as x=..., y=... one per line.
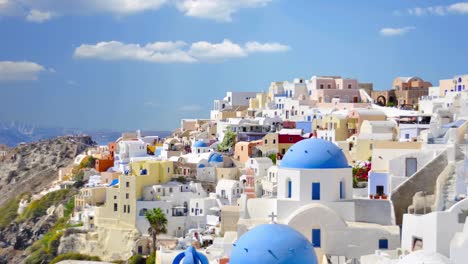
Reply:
x=114, y=182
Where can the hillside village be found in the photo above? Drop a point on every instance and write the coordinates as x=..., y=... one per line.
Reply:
x=365, y=176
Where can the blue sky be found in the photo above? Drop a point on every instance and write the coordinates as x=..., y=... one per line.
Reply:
x=129, y=64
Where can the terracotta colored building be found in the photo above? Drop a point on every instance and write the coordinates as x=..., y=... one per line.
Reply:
x=244, y=150
x=405, y=91
x=107, y=161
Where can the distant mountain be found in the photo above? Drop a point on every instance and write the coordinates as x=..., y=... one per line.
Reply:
x=13, y=133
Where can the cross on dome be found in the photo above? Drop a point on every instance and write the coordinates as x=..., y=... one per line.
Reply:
x=272, y=216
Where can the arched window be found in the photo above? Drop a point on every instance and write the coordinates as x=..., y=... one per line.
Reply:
x=143, y=212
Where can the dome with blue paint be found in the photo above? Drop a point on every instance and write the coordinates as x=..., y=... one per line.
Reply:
x=200, y=144
x=314, y=153
x=273, y=244
x=216, y=158
x=190, y=256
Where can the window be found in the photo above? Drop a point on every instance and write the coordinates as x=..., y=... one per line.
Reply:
x=266, y=141
x=290, y=139
x=192, y=210
x=115, y=197
x=201, y=211
x=170, y=189
x=349, y=86
x=321, y=86
x=274, y=141
x=316, y=191
x=406, y=136
x=316, y=238
x=128, y=208
x=127, y=195
x=329, y=86
x=168, y=170
x=383, y=243
x=125, y=208
x=127, y=184
x=289, y=188
x=341, y=190
x=115, y=207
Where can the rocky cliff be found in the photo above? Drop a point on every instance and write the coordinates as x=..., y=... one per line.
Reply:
x=33, y=167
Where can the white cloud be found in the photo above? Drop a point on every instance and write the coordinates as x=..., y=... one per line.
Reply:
x=174, y=51
x=220, y=10
x=190, y=108
x=215, y=51
x=162, y=52
x=42, y=10
x=390, y=32
x=19, y=70
x=254, y=46
x=457, y=8
x=38, y=16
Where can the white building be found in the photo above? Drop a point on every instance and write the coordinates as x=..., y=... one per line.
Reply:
x=229, y=191
x=315, y=197
x=259, y=165
x=174, y=199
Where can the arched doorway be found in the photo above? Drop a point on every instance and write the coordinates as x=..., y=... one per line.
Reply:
x=381, y=100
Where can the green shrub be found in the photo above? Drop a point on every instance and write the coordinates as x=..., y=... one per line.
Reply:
x=272, y=156
x=9, y=212
x=38, y=256
x=88, y=162
x=151, y=259
x=137, y=259
x=39, y=207
x=74, y=256
x=54, y=243
x=228, y=141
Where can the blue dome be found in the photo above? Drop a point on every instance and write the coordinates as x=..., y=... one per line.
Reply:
x=273, y=244
x=201, y=166
x=314, y=153
x=215, y=158
x=200, y=144
x=190, y=256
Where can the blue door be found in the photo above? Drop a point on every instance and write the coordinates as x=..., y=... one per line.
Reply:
x=316, y=191
x=316, y=238
x=289, y=189
x=341, y=190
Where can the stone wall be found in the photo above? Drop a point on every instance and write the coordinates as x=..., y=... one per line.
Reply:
x=422, y=181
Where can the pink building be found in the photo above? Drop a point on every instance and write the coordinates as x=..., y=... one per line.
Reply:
x=324, y=89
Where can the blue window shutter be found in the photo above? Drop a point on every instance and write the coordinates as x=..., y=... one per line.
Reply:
x=289, y=189
x=316, y=191
x=383, y=244
x=316, y=238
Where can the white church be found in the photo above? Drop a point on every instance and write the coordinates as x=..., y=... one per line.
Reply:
x=315, y=197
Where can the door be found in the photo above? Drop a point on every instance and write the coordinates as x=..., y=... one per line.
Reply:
x=316, y=191
x=411, y=166
x=316, y=238
x=379, y=190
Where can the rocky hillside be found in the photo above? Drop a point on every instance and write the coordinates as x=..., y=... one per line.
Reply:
x=32, y=167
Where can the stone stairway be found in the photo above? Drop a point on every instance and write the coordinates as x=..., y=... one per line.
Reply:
x=449, y=191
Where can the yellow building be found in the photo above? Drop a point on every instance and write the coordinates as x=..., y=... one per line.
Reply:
x=121, y=198
x=93, y=196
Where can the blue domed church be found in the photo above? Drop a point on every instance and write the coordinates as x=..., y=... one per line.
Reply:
x=315, y=198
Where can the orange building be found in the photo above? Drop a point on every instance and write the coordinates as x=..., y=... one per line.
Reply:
x=244, y=150
x=108, y=160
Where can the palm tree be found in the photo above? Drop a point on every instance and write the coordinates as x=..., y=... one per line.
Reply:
x=158, y=224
